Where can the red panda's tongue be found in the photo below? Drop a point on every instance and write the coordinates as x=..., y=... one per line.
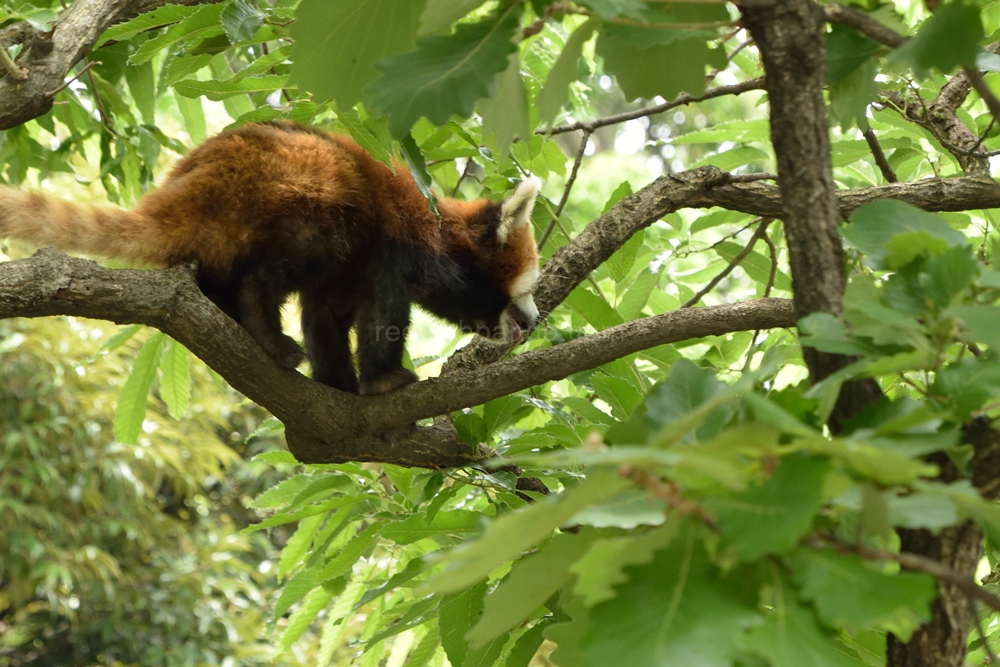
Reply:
x=516, y=330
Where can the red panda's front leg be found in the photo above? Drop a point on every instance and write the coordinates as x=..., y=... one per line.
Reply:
x=383, y=322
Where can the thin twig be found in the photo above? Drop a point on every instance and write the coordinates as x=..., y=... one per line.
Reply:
x=990, y=655
x=963, y=582
x=465, y=173
x=680, y=100
x=883, y=164
x=862, y=22
x=740, y=256
x=750, y=178
x=75, y=77
x=569, y=185
x=672, y=26
x=752, y=350
x=986, y=132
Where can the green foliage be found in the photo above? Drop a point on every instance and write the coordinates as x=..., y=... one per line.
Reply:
x=685, y=481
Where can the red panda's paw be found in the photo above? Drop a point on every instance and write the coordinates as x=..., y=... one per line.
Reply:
x=286, y=352
x=380, y=384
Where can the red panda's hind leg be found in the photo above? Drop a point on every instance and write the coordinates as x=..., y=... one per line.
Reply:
x=383, y=323
x=326, y=334
x=260, y=299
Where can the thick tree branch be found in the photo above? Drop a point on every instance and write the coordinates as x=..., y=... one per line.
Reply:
x=48, y=57
x=324, y=424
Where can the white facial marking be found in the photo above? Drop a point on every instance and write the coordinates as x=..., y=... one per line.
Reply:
x=524, y=283
x=516, y=209
x=527, y=305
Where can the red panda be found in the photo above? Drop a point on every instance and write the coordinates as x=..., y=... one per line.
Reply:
x=266, y=210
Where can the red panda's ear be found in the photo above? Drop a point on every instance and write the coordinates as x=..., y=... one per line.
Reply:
x=516, y=209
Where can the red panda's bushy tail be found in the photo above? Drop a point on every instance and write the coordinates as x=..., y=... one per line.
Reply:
x=46, y=220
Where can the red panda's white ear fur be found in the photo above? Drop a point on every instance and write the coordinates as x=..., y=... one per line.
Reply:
x=516, y=209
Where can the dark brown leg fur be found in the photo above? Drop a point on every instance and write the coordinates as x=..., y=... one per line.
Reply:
x=260, y=313
x=327, y=342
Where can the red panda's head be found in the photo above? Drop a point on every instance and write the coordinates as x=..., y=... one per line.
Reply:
x=497, y=267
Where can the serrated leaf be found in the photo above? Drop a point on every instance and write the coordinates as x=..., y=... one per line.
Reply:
x=194, y=118
x=459, y=612
x=500, y=412
x=950, y=38
x=458, y=523
x=846, y=51
x=219, y=90
x=662, y=69
x=850, y=594
x=284, y=492
x=199, y=23
x=850, y=96
x=175, y=383
x=160, y=16
x=637, y=295
x=532, y=581
x=240, y=20
x=770, y=518
x=791, y=637
x=555, y=92
x=303, y=617
x=297, y=545
x=338, y=41
x=511, y=534
x=141, y=85
x=349, y=555
x=676, y=610
x=123, y=336
x=446, y=75
x=364, y=138
x=275, y=458
x=621, y=262
x=131, y=409
x=620, y=394
x=440, y=14
x=603, y=566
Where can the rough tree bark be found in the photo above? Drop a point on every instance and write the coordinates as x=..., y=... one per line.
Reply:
x=789, y=36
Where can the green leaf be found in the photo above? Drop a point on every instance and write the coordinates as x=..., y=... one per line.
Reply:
x=966, y=386
x=511, y=534
x=734, y=157
x=626, y=510
x=194, y=118
x=240, y=20
x=338, y=41
x=755, y=264
x=526, y=646
x=555, y=92
x=418, y=169
x=506, y=113
x=160, y=16
x=850, y=96
x=979, y=322
x=219, y=90
x=846, y=51
x=771, y=518
x=620, y=394
x=638, y=293
x=284, y=492
x=948, y=39
x=502, y=411
x=123, y=336
x=364, y=137
x=142, y=86
x=298, y=544
x=664, y=69
x=204, y=20
x=676, y=610
x=458, y=523
x=920, y=510
x=175, y=384
x=827, y=333
x=602, y=567
x=851, y=594
x=621, y=262
x=459, y=612
x=302, y=618
x=532, y=581
x=278, y=457
x=686, y=388
x=593, y=308
x=791, y=637
x=446, y=75
x=440, y=14
x=131, y=409
x=349, y=555
x=874, y=225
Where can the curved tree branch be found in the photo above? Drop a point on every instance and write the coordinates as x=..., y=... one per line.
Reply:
x=48, y=57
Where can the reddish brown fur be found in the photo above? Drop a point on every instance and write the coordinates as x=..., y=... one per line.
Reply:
x=254, y=201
